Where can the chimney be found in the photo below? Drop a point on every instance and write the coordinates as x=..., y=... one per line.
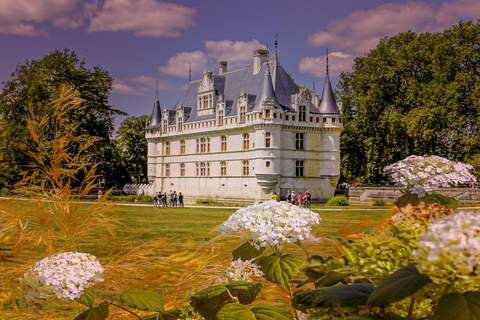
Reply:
x=222, y=67
x=259, y=57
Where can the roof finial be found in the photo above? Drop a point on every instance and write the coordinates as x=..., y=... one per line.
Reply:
x=327, y=63
x=189, y=72
x=157, y=89
x=313, y=84
x=276, y=47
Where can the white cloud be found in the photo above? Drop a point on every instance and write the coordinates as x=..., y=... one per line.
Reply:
x=130, y=86
x=236, y=53
x=316, y=66
x=362, y=30
x=147, y=18
x=22, y=17
x=178, y=64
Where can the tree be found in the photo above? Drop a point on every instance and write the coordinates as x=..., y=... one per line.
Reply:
x=38, y=82
x=412, y=94
x=133, y=146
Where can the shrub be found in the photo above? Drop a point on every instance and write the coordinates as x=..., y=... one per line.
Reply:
x=339, y=200
x=381, y=202
x=145, y=199
x=4, y=192
x=131, y=198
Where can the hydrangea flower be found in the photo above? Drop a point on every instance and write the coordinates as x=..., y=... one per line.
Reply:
x=61, y=276
x=240, y=271
x=449, y=252
x=272, y=222
x=421, y=175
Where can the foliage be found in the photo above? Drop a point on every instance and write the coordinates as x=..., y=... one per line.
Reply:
x=339, y=200
x=130, y=138
x=33, y=86
x=56, y=167
x=412, y=94
x=381, y=202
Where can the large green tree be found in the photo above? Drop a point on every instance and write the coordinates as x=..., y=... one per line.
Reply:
x=37, y=82
x=133, y=146
x=412, y=94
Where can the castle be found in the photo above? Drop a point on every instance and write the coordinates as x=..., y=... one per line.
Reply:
x=245, y=134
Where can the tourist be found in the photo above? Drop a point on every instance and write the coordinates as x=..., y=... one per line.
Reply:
x=156, y=200
x=175, y=199
x=180, y=199
x=171, y=198
x=100, y=193
x=292, y=197
x=308, y=200
x=300, y=199
x=164, y=200
x=275, y=197
x=288, y=196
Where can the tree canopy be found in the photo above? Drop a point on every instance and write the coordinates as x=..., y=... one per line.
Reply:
x=38, y=82
x=412, y=95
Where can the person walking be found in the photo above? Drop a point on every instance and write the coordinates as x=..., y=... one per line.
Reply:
x=300, y=200
x=100, y=193
x=308, y=200
x=156, y=200
x=180, y=199
x=292, y=197
x=275, y=197
x=288, y=196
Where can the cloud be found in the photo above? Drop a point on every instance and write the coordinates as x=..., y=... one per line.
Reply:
x=23, y=17
x=130, y=86
x=362, y=30
x=236, y=53
x=178, y=65
x=316, y=66
x=146, y=18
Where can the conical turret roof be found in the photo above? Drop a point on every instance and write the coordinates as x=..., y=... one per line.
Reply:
x=156, y=117
x=328, y=105
x=267, y=92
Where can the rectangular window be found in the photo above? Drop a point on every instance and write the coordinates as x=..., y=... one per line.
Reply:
x=220, y=118
x=202, y=169
x=223, y=168
x=165, y=126
x=197, y=169
x=298, y=141
x=267, y=114
x=182, y=169
x=182, y=146
x=275, y=115
x=339, y=120
x=243, y=111
x=167, y=148
x=246, y=141
x=267, y=140
x=202, y=145
x=302, y=113
x=246, y=168
x=267, y=164
x=311, y=119
x=324, y=120
x=198, y=146
x=286, y=117
x=208, y=144
x=293, y=118
x=318, y=120
x=299, y=168
x=333, y=120
x=260, y=115
x=224, y=143
x=180, y=124
x=167, y=170
x=208, y=169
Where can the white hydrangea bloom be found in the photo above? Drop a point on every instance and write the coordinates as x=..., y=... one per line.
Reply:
x=272, y=222
x=61, y=276
x=421, y=175
x=240, y=271
x=449, y=252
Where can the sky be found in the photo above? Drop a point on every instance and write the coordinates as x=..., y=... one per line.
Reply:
x=141, y=41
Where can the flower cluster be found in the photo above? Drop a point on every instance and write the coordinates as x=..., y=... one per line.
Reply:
x=421, y=175
x=449, y=252
x=240, y=271
x=272, y=222
x=61, y=276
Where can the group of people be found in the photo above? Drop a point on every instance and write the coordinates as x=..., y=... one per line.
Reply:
x=303, y=200
x=347, y=185
x=175, y=200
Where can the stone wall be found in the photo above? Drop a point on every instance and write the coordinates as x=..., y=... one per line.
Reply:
x=369, y=194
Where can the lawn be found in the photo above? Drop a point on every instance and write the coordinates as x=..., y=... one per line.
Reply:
x=173, y=251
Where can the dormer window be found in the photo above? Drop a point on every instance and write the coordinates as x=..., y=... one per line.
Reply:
x=302, y=113
x=180, y=124
x=220, y=117
x=165, y=125
x=243, y=112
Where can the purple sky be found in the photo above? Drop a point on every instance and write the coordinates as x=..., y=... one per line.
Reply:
x=140, y=41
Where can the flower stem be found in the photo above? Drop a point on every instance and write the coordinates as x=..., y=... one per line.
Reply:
x=116, y=305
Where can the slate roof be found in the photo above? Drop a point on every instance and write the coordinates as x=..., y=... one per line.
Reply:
x=156, y=118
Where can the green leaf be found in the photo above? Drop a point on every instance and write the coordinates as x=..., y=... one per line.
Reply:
x=447, y=202
x=280, y=270
x=209, y=301
x=245, y=291
x=168, y=315
x=264, y=311
x=388, y=316
x=247, y=251
x=300, y=244
x=344, y=295
x=235, y=311
x=99, y=312
x=397, y=286
x=88, y=297
x=142, y=300
x=333, y=277
x=406, y=199
x=457, y=306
